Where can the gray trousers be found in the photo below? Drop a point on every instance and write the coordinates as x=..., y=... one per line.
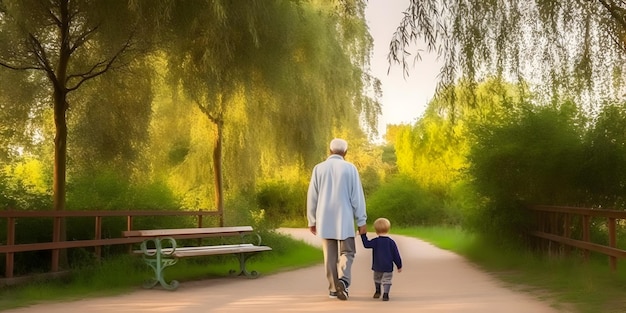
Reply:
x=338, y=258
x=383, y=278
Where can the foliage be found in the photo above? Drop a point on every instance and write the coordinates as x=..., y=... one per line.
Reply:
x=281, y=200
x=404, y=202
x=433, y=151
x=25, y=185
x=561, y=49
x=241, y=209
x=603, y=172
x=112, y=122
x=369, y=161
x=529, y=160
x=109, y=190
x=532, y=158
x=19, y=119
x=258, y=71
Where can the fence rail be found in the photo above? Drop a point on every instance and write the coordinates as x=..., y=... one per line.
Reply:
x=9, y=248
x=556, y=224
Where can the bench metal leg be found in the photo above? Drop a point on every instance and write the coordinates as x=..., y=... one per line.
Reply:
x=158, y=265
x=158, y=261
x=243, y=257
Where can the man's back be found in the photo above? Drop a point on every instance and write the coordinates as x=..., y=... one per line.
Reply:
x=335, y=198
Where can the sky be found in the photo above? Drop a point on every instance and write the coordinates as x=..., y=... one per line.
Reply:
x=403, y=99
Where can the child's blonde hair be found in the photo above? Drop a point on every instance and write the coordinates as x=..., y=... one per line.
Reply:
x=382, y=225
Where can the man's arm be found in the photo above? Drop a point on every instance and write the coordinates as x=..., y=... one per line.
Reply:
x=358, y=202
x=311, y=204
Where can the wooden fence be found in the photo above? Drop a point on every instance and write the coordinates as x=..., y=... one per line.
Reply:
x=571, y=226
x=10, y=248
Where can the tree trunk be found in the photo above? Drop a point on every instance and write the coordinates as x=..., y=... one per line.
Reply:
x=60, y=151
x=60, y=166
x=217, y=170
x=60, y=123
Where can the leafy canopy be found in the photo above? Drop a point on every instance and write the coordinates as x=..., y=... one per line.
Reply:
x=564, y=49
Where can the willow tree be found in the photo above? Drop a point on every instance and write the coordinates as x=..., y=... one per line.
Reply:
x=17, y=113
x=69, y=43
x=277, y=74
x=563, y=49
x=111, y=123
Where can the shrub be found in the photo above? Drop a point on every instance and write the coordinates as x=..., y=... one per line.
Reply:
x=533, y=159
x=405, y=203
x=108, y=190
x=281, y=200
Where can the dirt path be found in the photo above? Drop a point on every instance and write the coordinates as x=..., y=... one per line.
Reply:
x=433, y=280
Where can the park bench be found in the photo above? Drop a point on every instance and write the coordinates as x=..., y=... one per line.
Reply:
x=160, y=249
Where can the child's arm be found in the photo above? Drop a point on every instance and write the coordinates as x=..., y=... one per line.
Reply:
x=396, y=256
x=366, y=242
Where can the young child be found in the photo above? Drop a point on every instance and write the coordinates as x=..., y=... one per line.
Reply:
x=384, y=254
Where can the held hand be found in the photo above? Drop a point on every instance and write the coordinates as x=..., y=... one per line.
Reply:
x=362, y=229
x=313, y=230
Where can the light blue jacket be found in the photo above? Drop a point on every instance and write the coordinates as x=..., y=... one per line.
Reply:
x=335, y=199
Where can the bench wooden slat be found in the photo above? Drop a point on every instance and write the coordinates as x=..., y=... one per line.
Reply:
x=189, y=231
x=169, y=250
x=218, y=250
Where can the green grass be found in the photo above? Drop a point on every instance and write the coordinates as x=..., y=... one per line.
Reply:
x=127, y=273
x=567, y=282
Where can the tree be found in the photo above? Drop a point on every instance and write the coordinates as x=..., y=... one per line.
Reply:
x=271, y=75
x=70, y=42
x=564, y=49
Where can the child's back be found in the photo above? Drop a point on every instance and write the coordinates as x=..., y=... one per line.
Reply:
x=385, y=254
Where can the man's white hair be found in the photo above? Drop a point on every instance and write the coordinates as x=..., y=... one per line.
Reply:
x=338, y=145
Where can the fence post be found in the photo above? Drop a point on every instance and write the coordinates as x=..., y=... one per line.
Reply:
x=586, y=237
x=612, y=243
x=129, y=227
x=567, y=231
x=56, y=237
x=199, y=241
x=10, y=241
x=98, y=235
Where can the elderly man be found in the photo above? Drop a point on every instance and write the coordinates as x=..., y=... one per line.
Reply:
x=335, y=201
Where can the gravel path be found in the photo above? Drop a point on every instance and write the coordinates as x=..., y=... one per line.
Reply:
x=433, y=280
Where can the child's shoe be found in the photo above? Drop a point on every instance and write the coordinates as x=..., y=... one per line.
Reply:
x=376, y=295
x=385, y=297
